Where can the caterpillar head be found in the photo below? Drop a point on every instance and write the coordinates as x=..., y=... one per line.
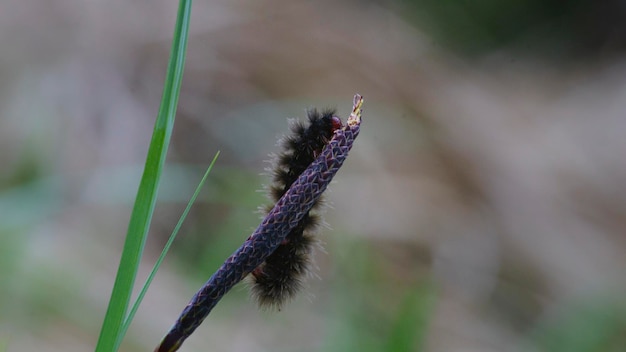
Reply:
x=336, y=123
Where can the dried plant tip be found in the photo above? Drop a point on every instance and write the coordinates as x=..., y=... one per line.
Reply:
x=357, y=107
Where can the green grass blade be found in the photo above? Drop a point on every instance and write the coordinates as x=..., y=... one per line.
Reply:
x=148, y=187
x=144, y=289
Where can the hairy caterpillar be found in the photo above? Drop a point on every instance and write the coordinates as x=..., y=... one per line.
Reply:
x=279, y=278
x=271, y=233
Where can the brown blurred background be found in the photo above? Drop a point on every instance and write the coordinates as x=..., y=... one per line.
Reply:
x=482, y=208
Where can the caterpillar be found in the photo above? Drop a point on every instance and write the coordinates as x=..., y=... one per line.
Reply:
x=286, y=214
x=279, y=278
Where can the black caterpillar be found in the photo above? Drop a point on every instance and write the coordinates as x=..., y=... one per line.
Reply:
x=278, y=224
x=280, y=277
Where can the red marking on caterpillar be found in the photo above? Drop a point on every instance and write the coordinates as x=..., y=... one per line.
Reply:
x=280, y=276
x=336, y=121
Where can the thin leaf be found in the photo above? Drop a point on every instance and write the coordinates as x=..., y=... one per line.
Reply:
x=148, y=188
x=144, y=289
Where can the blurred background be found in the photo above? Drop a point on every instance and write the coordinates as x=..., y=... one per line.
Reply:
x=482, y=208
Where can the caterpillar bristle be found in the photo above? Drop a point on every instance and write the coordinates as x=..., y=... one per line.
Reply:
x=287, y=160
x=280, y=277
x=271, y=295
x=311, y=222
x=290, y=142
x=297, y=128
x=279, y=175
x=276, y=192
